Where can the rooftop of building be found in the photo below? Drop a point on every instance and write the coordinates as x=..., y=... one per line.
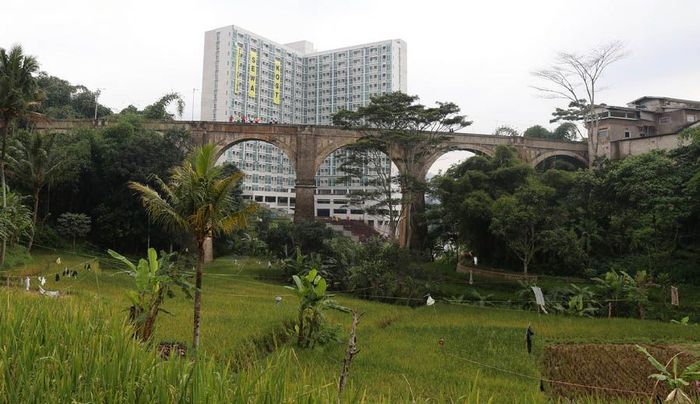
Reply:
x=639, y=104
x=657, y=98
x=304, y=47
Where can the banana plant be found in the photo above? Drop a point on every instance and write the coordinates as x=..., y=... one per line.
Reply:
x=154, y=279
x=314, y=299
x=672, y=378
x=684, y=321
x=579, y=302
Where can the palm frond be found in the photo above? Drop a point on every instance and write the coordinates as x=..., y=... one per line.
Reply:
x=158, y=208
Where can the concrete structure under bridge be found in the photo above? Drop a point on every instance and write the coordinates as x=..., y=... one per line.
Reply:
x=307, y=146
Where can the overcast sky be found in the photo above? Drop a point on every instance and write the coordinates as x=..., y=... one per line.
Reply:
x=477, y=54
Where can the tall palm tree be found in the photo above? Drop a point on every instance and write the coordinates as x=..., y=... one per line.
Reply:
x=36, y=159
x=19, y=93
x=199, y=201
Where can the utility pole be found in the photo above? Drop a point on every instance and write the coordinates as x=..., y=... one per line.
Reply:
x=193, y=91
x=97, y=94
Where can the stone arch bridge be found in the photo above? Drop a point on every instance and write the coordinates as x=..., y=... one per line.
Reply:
x=307, y=146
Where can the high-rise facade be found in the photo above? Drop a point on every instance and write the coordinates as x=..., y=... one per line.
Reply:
x=249, y=78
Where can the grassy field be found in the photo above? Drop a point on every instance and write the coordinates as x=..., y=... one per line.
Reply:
x=400, y=357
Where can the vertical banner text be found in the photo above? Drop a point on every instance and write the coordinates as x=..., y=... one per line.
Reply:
x=252, y=72
x=277, y=83
x=239, y=64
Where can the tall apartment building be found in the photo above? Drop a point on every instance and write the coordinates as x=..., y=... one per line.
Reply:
x=247, y=77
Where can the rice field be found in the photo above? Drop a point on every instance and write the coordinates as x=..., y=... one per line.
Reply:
x=445, y=353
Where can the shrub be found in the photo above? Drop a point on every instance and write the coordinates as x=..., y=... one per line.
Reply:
x=312, y=327
x=73, y=225
x=17, y=255
x=47, y=236
x=299, y=264
x=387, y=273
x=154, y=279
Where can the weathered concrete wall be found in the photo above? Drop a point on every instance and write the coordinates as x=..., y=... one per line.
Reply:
x=636, y=146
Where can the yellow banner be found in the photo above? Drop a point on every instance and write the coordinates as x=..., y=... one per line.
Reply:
x=277, y=89
x=239, y=64
x=252, y=72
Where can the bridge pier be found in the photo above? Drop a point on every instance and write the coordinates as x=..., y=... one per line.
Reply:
x=304, y=207
x=306, y=162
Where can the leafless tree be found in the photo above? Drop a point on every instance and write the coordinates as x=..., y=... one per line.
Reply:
x=575, y=77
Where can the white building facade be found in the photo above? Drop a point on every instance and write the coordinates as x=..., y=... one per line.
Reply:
x=249, y=78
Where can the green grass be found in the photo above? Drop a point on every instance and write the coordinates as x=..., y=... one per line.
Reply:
x=399, y=360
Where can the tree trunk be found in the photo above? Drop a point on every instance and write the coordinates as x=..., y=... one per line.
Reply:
x=349, y=354
x=525, y=267
x=419, y=229
x=5, y=134
x=149, y=324
x=198, y=296
x=48, y=202
x=35, y=217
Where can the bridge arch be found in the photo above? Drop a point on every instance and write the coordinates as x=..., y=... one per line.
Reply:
x=559, y=153
x=270, y=172
x=333, y=199
x=476, y=149
x=279, y=142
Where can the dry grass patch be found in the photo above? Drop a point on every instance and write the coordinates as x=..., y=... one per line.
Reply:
x=621, y=372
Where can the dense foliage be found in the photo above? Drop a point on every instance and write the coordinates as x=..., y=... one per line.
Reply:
x=63, y=100
x=397, y=124
x=640, y=213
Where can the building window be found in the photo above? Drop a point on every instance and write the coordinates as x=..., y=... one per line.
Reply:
x=691, y=118
x=627, y=133
x=602, y=133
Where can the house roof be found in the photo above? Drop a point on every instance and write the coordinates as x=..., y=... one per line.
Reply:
x=649, y=97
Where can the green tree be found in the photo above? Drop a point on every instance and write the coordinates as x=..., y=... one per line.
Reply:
x=506, y=130
x=612, y=287
x=575, y=112
x=566, y=131
x=370, y=168
x=155, y=278
x=36, y=159
x=538, y=132
x=521, y=220
x=93, y=179
x=64, y=100
x=398, y=126
x=15, y=219
x=198, y=200
x=73, y=225
x=466, y=193
x=19, y=95
x=159, y=109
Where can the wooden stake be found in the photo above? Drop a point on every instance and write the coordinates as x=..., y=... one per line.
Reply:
x=349, y=354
